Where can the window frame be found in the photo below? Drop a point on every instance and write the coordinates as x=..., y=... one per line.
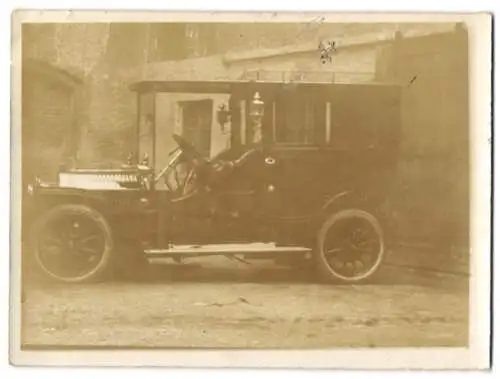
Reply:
x=146, y=111
x=305, y=126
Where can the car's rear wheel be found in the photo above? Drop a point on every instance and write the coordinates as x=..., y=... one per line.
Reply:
x=73, y=243
x=350, y=247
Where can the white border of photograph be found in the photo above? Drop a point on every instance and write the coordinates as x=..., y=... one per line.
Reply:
x=477, y=356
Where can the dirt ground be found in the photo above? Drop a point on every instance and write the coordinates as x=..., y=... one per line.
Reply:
x=241, y=308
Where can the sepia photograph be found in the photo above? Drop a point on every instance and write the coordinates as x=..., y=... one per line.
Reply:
x=193, y=183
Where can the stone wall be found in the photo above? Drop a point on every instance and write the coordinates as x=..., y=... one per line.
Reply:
x=347, y=65
x=429, y=203
x=77, y=48
x=242, y=37
x=104, y=113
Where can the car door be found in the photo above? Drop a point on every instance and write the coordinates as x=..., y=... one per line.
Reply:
x=293, y=161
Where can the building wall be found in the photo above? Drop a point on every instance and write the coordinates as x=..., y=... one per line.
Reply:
x=241, y=37
x=347, y=65
x=51, y=53
x=79, y=50
x=63, y=45
x=430, y=198
x=99, y=57
x=47, y=137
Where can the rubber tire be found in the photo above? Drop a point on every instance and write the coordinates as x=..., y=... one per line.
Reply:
x=326, y=273
x=101, y=270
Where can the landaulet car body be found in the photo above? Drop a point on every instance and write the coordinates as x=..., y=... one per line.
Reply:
x=318, y=199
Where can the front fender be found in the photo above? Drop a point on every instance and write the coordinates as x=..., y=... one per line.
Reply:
x=131, y=214
x=38, y=199
x=38, y=195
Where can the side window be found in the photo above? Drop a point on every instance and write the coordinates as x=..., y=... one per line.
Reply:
x=300, y=120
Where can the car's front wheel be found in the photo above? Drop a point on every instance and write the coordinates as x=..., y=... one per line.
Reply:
x=350, y=247
x=73, y=243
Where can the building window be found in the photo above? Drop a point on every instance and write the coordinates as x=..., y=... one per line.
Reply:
x=300, y=121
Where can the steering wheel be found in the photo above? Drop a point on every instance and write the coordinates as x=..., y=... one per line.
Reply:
x=204, y=168
x=200, y=166
x=190, y=151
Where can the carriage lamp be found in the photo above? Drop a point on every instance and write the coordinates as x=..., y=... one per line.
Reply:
x=223, y=117
x=145, y=160
x=257, y=113
x=257, y=107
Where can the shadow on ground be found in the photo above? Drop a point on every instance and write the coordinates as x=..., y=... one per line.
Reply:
x=198, y=272
x=389, y=275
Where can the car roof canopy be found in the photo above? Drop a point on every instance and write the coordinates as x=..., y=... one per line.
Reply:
x=224, y=86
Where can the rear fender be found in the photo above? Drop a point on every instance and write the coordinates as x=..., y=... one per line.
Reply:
x=356, y=200
x=342, y=200
x=352, y=199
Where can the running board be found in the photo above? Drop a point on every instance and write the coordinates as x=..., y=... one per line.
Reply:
x=224, y=249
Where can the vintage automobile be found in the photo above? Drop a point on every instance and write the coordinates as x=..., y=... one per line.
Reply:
x=301, y=175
